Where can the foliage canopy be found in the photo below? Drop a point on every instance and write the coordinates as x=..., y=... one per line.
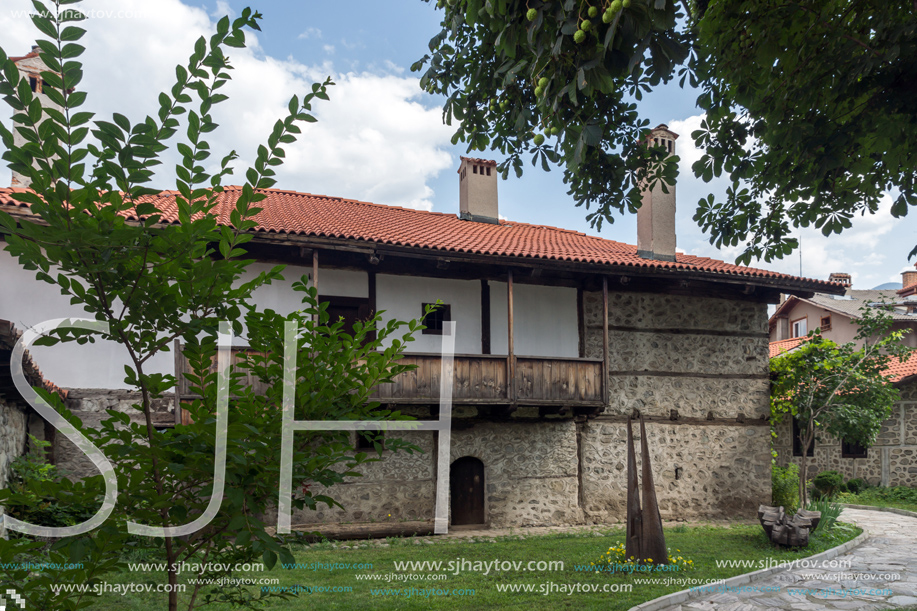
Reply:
x=809, y=113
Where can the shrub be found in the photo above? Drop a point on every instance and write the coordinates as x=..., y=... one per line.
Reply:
x=829, y=513
x=857, y=485
x=828, y=483
x=39, y=494
x=785, y=487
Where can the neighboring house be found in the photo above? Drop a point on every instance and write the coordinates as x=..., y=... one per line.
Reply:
x=836, y=315
x=892, y=460
x=561, y=337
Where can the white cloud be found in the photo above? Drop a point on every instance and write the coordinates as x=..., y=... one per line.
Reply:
x=374, y=140
x=223, y=9
x=310, y=33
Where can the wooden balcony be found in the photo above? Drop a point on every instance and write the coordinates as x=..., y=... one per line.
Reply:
x=482, y=379
x=478, y=379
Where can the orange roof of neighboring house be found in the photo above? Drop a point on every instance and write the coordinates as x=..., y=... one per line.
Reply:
x=908, y=290
x=897, y=371
x=290, y=212
x=784, y=345
x=900, y=370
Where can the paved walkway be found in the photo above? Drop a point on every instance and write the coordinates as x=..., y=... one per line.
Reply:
x=887, y=561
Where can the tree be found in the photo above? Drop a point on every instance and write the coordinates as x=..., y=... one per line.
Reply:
x=808, y=111
x=95, y=236
x=839, y=390
x=558, y=80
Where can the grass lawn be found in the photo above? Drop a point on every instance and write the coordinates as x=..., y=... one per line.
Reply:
x=703, y=544
x=899, y=497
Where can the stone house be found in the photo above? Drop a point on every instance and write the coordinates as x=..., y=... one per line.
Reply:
x=561, y=337
x=892, y=460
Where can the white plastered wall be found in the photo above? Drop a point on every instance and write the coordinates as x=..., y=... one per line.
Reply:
x=544, y=318
x=402, y=298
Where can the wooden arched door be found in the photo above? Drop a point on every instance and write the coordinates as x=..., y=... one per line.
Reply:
x=466, y=487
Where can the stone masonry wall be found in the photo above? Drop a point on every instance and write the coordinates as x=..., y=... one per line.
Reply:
x=891, y=461
x=13, y=437
x=697, y=368
x=530, y=478
x=699, y=471
x=91, y=406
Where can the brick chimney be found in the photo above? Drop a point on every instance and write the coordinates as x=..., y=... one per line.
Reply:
x=478, y=191
x=909, y=276
x=656, y=216
x=841, y=278
x=30, y=68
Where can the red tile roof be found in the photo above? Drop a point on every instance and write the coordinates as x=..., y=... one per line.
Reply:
x=33, y=53
x=784, y=345
x=9, y=335
x=304, y=214
x=898, y=371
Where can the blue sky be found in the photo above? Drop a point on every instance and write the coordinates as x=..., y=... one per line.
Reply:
x=380, y=138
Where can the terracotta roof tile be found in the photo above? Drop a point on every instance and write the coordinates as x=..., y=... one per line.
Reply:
x=9, y=335
x=898, y=371
x=291, y=212
x=784, y=345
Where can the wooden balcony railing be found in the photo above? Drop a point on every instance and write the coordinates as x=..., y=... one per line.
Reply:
x=483, y=379
x=479, y=379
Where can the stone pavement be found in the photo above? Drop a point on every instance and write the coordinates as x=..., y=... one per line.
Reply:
x=886, y=561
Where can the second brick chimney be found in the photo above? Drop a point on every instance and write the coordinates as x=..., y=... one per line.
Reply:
x=841, y=278
x=478, y=191
x=656, y=216
x=909, y=277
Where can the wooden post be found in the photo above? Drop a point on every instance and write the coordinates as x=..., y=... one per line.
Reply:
x=580, y=322
x=179, y=366
x=511, y=357
x=371, y=276
x=485, y=316
x=315, y=280
x=605, y=340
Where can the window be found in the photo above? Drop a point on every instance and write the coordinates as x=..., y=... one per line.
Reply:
x=800, y=327
x=435, y=319
x=366, y=440
x=852, y=450
x=797, y=445
x=825, y=323
x=35, y=84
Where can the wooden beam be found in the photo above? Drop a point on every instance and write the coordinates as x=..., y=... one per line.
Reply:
x=581, y=321
x=315, y=281
x=485, y=316
x=371, y=275
x=605, y=339
x=511, y=357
